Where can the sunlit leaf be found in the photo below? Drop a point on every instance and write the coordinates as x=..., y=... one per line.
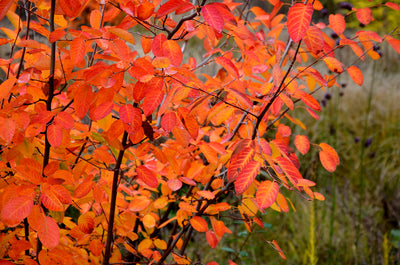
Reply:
x=199, y=224
x=337, y=23
x=328, y=157
x=247, y=176
x=213, y=17
x=302, y=144
x=299, y=19
x=364, y=15
x=147, y=176
x=49, y=233
x=16, y=210
x=356, y=74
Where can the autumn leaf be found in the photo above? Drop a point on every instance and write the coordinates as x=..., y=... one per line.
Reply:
x=78, y=50
x=247, y=176
x=337, y=23
x=299, y=19
x=4, y=6
x=228, y=66
x=55, y=135
x=267, y=193
x=302, y=144
x=213, y=17
x=147, y=176
x=356, y=75
x=199, y=224
x=16, y=210
x=172, y=51
x=49, y=233
x=238, y=162
x=328, y=157
x=364, y=15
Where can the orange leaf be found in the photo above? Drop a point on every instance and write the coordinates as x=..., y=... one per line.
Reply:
x=147, y=176
x=364, y=15
x=329, y=158
x=228, y=66
x=132, y=117
x=247, y=176
x=314, y=40
x=123, y=34
x=309, y=100
x=145, y=10
x=174, y=184
x=149, y=221
x=49, y=233
x=61, y=193
x=220, y=228
x=96, y=247
x=161, y=62
x=6, y=87
x=211, y=239
x=36, y=217
x=289, y=169
x=4, y=6
x=86, y=222
x=64, y=119
x=238, y=162
x=72, y=8
x=302, y=144
x=333, y=64
x=83, y=189
x=146, y=44
x=206, y=194
x=199, y=224
x=172, y=50
x=56, y=35
x=78, y=50
x=278, y=249
x=55, y=135
x=50, y=200
x=139, y=203
x=7, y=129
x=395, y=43
x=337, y=23
x=298, y=21
x=16, y=210
x=267, y=193
x=213, y=18
x=356, y=74
x=156, y=46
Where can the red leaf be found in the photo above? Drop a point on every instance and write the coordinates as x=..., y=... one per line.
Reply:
x=228, y=66
x=172, y=51
x=7, y=129
x=147, y=176
x=174, y=184
x=145, y=10
x=267, y=192
x=78, y=50
x=55, y=135
x=103, y=110
x=298, y=21
x=314, y=40
x=152, y=100
x=4, y=6
x=329, y=158
x=213, y=17
x=168, y=121
x=64, y=119
x=156, y=46
x=395, y=43
x=291, y=172
x=247, y=176
x=199, y=224
x=16, y=210
x=309, y=100
x=356, y=74
x=51, y=201
x=49, y=233
x=278, y=249
x=169, y=7
x=302, y=144
x=388, y=4
x=238, y=161
x=364, y=15
x=337, y=23
x=131, y=116
x=56, y=35
x=211, y=239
